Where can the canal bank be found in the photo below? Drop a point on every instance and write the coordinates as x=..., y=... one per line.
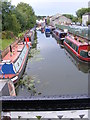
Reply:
x=51, y=72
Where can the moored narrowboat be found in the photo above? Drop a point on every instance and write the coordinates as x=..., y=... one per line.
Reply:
x=59, y=35
x=42, y=30
x=47, y=32
x=78, y=48
x=29, y=38
x=13, y=64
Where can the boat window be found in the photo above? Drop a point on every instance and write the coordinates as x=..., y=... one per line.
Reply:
x=47, y=30
x=62, y=35
x=18, y=63
x=75, y=47
x=70, y=43
x=84, y=53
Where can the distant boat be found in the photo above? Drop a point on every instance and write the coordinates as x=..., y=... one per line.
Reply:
x=59, y=35
x=13, y=64
x=47, y=32
x=29, y=37
x=42, y=30
x=78, y=48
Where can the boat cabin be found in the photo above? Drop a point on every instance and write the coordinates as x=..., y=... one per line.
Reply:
x=80, y=48
x=47, y=30
x=59, y=34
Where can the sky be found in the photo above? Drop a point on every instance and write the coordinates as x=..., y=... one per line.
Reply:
x=51, y=7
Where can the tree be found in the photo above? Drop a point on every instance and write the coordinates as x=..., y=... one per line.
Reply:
x=82, y=11
x=26, y=10
x=73, y=18
x=9, y=20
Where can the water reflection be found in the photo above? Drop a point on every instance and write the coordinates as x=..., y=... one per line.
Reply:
x=84, y=67
x=53, y=71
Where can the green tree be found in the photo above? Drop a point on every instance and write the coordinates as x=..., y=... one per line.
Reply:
x=28, y=13
x=82, y=11
x=73, y=18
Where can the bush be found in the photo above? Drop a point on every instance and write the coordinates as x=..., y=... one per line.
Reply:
x=88, y=23
x=7, y=35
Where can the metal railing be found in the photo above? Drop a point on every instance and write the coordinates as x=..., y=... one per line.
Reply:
x=45, y=103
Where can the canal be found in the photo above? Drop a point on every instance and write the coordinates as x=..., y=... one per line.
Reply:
x=52, y=71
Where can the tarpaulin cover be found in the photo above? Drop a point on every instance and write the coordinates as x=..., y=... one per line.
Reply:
x=47, y=30
x=6, y=69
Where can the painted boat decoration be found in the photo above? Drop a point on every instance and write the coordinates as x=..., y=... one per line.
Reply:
x=78, y=48
x=13, y=64
x=59, y=35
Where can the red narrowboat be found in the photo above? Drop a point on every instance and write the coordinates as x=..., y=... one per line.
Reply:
x=78, y=47
x=13, y=64
x=29, y=38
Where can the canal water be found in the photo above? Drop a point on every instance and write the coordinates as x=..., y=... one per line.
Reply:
x=53, y=71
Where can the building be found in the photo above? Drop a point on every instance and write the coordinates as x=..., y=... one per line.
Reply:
x=59, y=19
x=85, y=18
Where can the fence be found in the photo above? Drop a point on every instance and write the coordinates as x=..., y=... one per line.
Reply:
x=77, y=30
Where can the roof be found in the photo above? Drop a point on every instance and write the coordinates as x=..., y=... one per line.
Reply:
x=75, y=41
x=59, y=31
x=88, y=13
x=16, y=53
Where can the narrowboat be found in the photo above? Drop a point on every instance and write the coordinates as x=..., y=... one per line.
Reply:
x=42, y=30
x=29, y=38
x=59, y=35
x=51, y=28
x=47, y=32
x=13, y=64
x=78, y=48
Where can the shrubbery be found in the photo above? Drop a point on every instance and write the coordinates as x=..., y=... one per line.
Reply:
x=7, y=35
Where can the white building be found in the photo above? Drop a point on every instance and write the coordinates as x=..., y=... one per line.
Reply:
x=85, y=18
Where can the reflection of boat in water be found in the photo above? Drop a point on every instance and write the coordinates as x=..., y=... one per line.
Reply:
x=60, y=43
x=85, y=68
x=78, y=48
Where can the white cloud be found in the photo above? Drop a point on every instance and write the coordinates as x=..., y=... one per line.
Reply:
x=32, y=2
x=49, y=7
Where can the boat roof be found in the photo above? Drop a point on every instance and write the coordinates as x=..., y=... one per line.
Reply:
x=59, y=31
x=71, y=38
x=16, y=52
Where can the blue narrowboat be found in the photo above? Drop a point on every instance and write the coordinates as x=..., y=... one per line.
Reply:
x=47, y=32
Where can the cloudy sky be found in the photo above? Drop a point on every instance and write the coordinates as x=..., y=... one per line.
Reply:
x=51, y=7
